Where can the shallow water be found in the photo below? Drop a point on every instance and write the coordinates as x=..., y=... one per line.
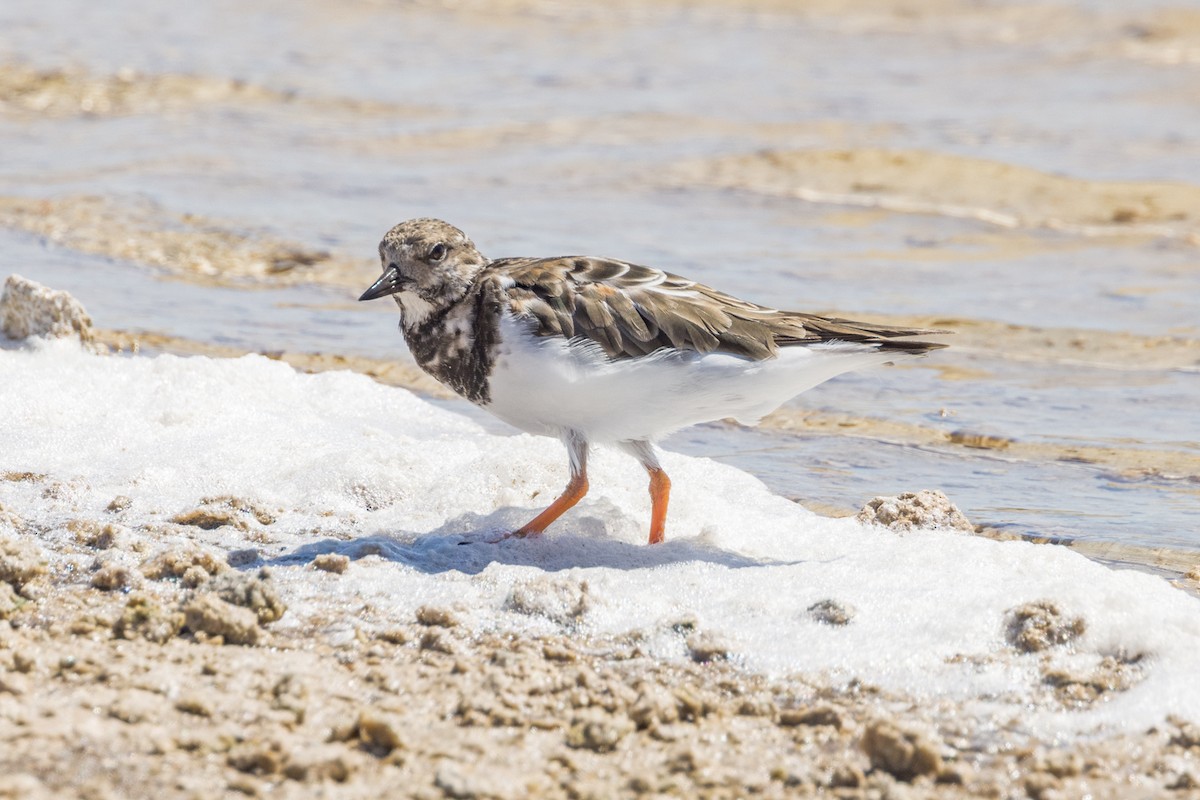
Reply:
x=544, y=129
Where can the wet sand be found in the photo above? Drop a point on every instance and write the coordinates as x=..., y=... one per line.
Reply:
x=154, y=671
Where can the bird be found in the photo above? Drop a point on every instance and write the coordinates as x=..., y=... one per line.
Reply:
x=599, y=351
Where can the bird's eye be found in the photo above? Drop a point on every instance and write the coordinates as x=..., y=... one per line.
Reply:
x=437, y=252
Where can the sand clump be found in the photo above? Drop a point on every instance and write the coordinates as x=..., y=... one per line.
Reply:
x=911, y=181
x=28, y=308
x=69, y=92
x=926, y=509
x=255, y=592
x=214, y=618
x=233, y=512
x=184, y=244
x=21, y=561
x=178, y=561
x=831, y=612
x=332, y=562
x=561, y=601
x=1034, y=627
x=143, y=617
x=903, y=753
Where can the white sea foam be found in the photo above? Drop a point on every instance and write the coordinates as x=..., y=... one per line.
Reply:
x=360, y=468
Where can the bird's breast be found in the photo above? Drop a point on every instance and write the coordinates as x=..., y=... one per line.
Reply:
x=457, y=346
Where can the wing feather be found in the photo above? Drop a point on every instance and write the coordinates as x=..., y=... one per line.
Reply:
x=631, y=310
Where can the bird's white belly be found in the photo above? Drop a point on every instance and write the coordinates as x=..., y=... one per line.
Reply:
x=547, y=385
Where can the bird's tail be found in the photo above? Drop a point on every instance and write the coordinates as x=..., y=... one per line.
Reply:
x=885, y=337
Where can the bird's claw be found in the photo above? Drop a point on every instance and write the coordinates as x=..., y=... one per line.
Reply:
x=500, y=537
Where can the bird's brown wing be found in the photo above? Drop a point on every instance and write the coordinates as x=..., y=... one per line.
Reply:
x=631, y=310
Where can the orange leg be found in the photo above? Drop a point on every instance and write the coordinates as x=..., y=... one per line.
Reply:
x=660, y=491
x=576, y=489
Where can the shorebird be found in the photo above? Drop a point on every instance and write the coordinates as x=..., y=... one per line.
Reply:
x=600, y=351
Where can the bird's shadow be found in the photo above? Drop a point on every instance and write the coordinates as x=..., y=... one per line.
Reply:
x=465, y=545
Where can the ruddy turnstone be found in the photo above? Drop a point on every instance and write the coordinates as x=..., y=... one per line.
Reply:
x=595, y=350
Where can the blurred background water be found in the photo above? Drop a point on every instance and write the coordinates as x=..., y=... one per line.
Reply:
x=1041, y=161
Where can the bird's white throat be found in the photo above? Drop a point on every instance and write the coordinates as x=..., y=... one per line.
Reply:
x=413, y=309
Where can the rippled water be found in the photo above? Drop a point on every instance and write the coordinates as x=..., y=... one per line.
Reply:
x=546, y=129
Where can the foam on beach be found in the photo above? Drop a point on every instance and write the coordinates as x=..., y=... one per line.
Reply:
x=335, y=463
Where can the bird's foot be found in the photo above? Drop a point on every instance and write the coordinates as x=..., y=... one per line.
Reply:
x=500, y=537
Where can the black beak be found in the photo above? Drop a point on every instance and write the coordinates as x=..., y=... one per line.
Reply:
x=389, y=282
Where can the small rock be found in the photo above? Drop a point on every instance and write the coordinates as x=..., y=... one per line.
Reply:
x=846, y=776
x=212, y=518
x=598, y=732
x=254, y=591
x=395, y=636
x=175, y=561
x=10, y=601
x=1034, y=627
x=831, y=612
x=257, y=758
x=684, y=761
x=564, y=602
x=20, y=562
x=100, y=535
x=1078, y=688
x=954, y=775
x=1186, y=736
x=260, y=514
x=438, y=642
x=243, y=558
x=319, y=763
x=380, y=731
x=332, y=562
x=903, y=753
x=819, y=716
x=194, y=704
x=436, y=617
x=1042, y=786
x=705, y=646
x=28, y=308
x=208, y=614
x=1184, y=782
x=653, y=707
x=144, y=618
x=119, y=503
x=112, y=576
x=24, y=662
x=927, y=509
x=194, y=576
x=755, y=707
x=690, y=706
x=553, y=651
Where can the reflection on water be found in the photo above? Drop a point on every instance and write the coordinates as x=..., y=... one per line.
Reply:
x=545, y=129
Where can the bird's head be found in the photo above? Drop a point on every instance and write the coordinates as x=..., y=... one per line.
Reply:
x=427, y=264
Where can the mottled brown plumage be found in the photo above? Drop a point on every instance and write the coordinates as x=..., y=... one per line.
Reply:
x=631, y=310
x=595, y=349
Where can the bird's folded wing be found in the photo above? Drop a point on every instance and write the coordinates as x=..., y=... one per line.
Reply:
x=631, y=310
